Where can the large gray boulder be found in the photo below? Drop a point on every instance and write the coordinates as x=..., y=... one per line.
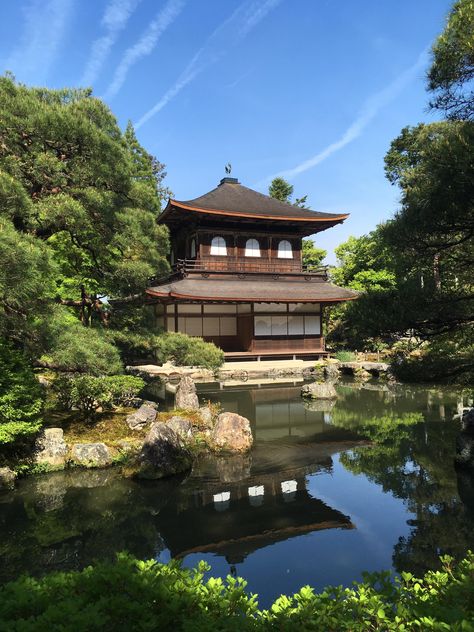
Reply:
x=50, y=447
x=319, y=390
x=232, y=433
x=91, y=454
x=7, y=478
x=163, y=453
x=144, y=415
x=183, y=427
x=186, y=396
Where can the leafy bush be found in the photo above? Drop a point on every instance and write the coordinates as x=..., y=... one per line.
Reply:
x=87, y=393
x=345, y=356
x=21, y=396
x=186, y=350
x=133, y=595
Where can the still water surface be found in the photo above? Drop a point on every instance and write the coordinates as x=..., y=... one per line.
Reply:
x=312, y=504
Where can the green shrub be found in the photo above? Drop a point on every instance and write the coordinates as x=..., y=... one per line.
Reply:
x=345, y=356
x=21, y=396
x=133, y=595
x=87, y=393
x=185, y=350
x=75, y=348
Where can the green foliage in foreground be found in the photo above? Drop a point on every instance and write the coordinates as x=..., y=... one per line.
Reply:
x=21, y=396
x=134, y=595
x=87, y=393
x=185, y=350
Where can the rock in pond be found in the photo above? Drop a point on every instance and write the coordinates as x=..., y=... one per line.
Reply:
x=183, y=427
x=331, y=372
x=142, y=416
x=319, y=390
x=91, y=454
x=163, y=453
x=50, y=447
x=232, y=433
x=7, y=478
x=186, y=396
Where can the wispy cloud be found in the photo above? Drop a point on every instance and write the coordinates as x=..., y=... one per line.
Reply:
x=115, y=18
x=234, y=29
x=369, y=111
x=44, y=28
x=145, y=45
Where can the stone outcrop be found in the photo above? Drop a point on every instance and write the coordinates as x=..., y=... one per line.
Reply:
x=331, y=372
x=50, y=447
x=232, y=433
x=186, y=396
x=319, y=390
x=163, y=453
x=144, y=415
x=206, y=416
x=465, y=441
x=183, y=427
x=7, y=478
x=91, y=454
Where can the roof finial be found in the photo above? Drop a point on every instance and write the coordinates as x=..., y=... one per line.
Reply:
x=228, y=168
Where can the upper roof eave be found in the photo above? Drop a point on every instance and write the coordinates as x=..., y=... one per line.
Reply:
x=335, y=219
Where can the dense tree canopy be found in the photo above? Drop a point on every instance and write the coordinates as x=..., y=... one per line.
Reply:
x=451, y=76
x=416, y=271
x=79, y=201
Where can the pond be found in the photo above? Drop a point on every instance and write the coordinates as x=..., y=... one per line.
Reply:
x=312, y=504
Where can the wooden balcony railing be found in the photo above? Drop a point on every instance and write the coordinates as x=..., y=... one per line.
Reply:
x=240, y=265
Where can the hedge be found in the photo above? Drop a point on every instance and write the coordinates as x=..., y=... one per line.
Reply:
x=135, y=595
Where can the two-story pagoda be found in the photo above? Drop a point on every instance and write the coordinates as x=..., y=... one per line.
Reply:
x=238, y=278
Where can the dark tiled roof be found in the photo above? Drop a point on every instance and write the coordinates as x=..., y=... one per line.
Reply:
x=232, y=198
x=252, y=290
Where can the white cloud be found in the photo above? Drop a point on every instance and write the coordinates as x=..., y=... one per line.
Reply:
x=235, y=28
x=369, y=111
x=115, y=18
x=145, y=45
x=45, y=24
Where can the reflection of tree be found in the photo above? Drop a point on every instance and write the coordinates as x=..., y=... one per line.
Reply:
x=414, y=462
x=66, y=521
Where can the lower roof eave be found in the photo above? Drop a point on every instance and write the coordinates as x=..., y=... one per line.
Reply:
x=172, y=296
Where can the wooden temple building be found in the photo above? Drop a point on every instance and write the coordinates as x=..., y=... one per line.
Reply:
x=237, y=274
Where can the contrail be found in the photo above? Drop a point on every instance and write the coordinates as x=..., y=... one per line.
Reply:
x=145, y=44
x=369, y=111
x=244, y=19
x=44, y=28
x=115, y=18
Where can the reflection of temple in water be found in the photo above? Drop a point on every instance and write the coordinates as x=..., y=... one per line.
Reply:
x=236, y=518
x=276, y=411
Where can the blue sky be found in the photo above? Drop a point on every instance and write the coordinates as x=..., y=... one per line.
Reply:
x=314, y=90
